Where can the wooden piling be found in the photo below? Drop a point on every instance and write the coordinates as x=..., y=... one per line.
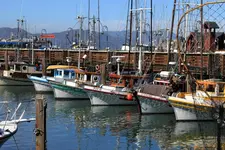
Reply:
x=103, y=73
x=6, y=60
x=40, y=130
x=43, y=66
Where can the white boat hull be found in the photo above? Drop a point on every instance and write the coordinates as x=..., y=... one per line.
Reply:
x=66, y=92
x=42, y=87
x=7, y=81
x=41, y=84
x=192, y=109
x=186, y=114
x=150, y=104
x=99, y=97
x=8, y=130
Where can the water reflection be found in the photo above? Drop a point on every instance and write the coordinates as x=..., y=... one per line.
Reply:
x=195, y=135
x=155, y=130
x=78, y=125
x=16, y=93
x=169, y=134
x=107, y=127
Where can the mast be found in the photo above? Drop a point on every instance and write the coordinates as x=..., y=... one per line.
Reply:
x=99, y=32
x=140, y=44
x=202, y=40
x=130, y=40
x=81, y=19
x=136, y=20
x=127, y=25
x=32, y=49
x=171, y=31
x=151, y=38
x=89, y=13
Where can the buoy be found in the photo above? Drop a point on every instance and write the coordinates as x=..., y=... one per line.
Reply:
x=129, y=97
x=97, y=67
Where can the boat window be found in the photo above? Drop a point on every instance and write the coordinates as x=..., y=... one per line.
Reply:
x=60, y=73
x=88, y=77
x=112, y=81
x=17, y=68
x=81, y=77
x=120, y=81
x=72, y=74
x=66, y=73
x=210, y=88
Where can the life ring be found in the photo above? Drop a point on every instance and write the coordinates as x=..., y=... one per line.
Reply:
x=24, y=68
x=97, y=67
x=96, y=78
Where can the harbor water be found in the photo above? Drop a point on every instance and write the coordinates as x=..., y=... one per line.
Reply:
x=76, y=125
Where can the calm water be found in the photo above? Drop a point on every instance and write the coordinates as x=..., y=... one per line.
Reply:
x=75, y=125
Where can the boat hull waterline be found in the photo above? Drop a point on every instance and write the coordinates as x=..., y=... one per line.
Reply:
x=150, y=104
x=5, y=81
x=99, y=97
x=41, y=85
x=66, y=92
x=193, y=113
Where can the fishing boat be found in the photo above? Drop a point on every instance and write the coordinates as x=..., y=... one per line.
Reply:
x=152, y=97
x=118, y=92
x=17, y=74
x=61, y=72
x=73, y=88
x=201, y=104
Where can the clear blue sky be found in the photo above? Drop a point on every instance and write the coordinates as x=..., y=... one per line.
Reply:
x=59, y=15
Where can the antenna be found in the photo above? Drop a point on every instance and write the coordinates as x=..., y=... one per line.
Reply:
x=21, y=9
x=118, y=60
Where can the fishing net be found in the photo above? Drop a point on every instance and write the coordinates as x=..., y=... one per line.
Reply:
x=200, y=41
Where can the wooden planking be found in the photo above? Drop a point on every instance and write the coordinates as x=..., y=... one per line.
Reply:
x=100, y=57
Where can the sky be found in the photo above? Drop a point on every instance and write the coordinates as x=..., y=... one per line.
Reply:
x=59, y=15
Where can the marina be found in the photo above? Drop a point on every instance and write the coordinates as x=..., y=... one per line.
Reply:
x=157, y=83
x=96, y=127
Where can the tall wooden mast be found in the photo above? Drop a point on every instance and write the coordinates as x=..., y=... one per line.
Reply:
x=130, y=40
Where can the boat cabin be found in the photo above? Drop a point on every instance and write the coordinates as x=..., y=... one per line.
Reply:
x=87, y=77
x=211, y=85
x=64, y=73
x=163, y=78
x=21, y=70
x=126, y=80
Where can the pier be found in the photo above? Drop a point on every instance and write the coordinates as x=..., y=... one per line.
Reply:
x=98, y=57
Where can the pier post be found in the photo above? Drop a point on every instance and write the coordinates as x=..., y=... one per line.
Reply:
x=43, y=66
x=219, y=125
x=40, y=130
x=6, y=60
x=103, y=74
